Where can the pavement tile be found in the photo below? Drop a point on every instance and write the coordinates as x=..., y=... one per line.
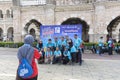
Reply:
x=96, y=68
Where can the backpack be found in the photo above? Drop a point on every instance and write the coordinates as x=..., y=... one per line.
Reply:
x=25, y=69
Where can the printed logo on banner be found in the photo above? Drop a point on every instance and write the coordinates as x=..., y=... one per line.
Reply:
x=57, y=29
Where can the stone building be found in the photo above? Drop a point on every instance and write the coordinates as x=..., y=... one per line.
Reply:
x=21, y=17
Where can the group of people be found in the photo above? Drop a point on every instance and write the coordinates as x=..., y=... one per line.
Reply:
x=6, y=38
x=105, y=48
x=61, y=50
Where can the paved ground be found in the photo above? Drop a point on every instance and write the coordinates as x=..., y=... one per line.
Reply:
x=94, y=68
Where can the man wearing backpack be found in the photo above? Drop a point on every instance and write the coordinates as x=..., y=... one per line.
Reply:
x=28, y=54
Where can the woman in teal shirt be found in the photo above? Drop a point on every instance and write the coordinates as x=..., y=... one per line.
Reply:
x=73, y=51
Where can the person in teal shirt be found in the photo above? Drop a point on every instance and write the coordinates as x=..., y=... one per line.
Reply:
x=57, y=56
x=62, y=45
x=48, y=56
x=62, y=42
x=50, y=44
x=73, y=51
x=67, y=38
x=67, y=56
x=56, y=43
x=77, y=44
x=77, y=41
x=100, y=44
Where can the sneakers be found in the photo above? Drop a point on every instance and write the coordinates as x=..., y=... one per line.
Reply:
x=51, y=63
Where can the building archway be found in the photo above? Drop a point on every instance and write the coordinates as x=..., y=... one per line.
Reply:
x=33, y=28
x=114, y=29
x=11, y=13
x=119, y=35
x=1, y=14
x=1, y=34
x=85, y=26
x=8, y=13
x=32, y=32
x=10, y=34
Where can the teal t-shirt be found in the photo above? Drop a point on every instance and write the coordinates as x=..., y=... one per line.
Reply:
x=50, y=44
x=67, y=53
x=47, y=54
x=73, y=49
x=77, y=42
x=57, y=53
x=100, y=43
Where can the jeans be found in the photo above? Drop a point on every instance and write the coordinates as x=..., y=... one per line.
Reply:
x=110, y=51
x=100, y=50
x=73, y=55
x=80, y=56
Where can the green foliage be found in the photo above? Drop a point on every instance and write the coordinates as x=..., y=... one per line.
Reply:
x=11, y=44
x=89, y=44
x=34, y=44
x=96, y=44
x=17, y=45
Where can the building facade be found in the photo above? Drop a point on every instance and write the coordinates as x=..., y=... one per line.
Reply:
x=21, y=17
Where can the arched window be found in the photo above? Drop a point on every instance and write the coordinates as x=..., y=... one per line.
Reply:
x=8, y=14
x=10, y=34
x=119, y=34
x=1, y=14
x=1, y=34
x=33, y=27
x=32, y=32
x=11, y=13
x=113, y=27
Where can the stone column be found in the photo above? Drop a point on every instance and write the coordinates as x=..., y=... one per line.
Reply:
x=23, y=34
x=91, y=35
x=50, y=14
x=94, y=37
x=100, y=29
x=17, y=24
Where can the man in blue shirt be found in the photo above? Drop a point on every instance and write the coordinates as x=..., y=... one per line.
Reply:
x=56, y=43
x=50, y=44
x=67, y=38
x=77, y=43
x=63, y=44
x=57, y=56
